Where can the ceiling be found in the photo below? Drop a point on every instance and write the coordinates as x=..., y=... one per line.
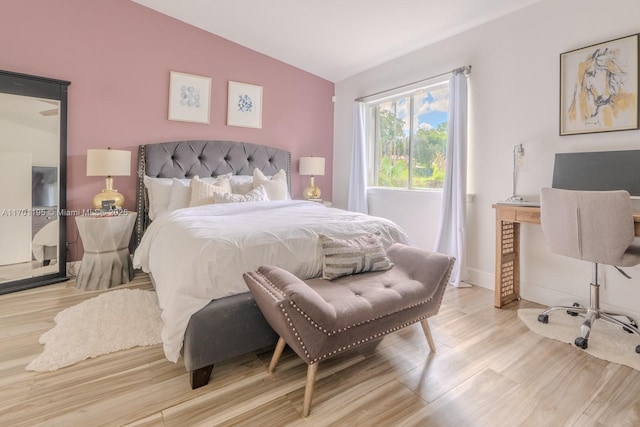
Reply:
x=34, y=113
x=335, y=39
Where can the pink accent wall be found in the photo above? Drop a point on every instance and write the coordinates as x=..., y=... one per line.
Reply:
x=118, y=55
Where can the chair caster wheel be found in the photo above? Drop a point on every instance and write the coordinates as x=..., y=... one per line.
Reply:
x=573, y=313
x=638, y=349
x=543, y=318
x=582, y=342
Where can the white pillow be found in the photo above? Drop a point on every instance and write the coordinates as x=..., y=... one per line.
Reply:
x=180, y=194
x=241, y=184
x=159, y=191
x=276, y=186
x=258, y=194
x=202, y=192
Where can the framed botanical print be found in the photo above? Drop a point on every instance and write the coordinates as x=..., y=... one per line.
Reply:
x=599, y=87
x=244, y=105
x=189, y=98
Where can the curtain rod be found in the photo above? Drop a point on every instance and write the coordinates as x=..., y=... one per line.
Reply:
x=464, y=69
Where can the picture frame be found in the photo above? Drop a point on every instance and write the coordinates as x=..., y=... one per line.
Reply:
x=108, y=205
x=189, y=98
x=599, y=87
x=244, y=105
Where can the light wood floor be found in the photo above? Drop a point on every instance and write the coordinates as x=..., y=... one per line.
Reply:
x=489, y=370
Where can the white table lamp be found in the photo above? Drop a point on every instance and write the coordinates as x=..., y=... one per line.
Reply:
x=108, y=163
x=312, y=166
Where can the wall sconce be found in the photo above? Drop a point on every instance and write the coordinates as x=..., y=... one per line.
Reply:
x=312, y=166
x=108, y=163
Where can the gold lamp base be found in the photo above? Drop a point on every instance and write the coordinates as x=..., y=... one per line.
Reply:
x=312, y=191
x=108, y=194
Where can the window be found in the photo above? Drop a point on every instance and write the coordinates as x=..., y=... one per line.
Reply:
x=408, y=138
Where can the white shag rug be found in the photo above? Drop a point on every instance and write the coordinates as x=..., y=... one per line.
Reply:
x=113, y=321
x=606, y=341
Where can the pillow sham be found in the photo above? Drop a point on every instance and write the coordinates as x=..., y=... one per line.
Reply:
x=202, y=192
x=352, y=256
x=159, y=192
x=258, y=194
x=276, y=186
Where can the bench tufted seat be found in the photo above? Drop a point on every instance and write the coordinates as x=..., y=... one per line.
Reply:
x=318, y=318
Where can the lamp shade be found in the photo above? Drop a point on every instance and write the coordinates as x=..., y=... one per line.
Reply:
x=312, y=166
x=108, y=162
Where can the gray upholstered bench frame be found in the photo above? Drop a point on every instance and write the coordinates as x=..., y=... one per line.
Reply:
x=319, y=318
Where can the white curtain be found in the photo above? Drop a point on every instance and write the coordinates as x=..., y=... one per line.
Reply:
x=357, y=201
x=451, y=234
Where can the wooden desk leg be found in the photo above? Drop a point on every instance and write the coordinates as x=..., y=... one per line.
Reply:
x=507, y=287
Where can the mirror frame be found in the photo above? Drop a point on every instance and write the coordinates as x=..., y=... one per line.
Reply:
x=42, y=87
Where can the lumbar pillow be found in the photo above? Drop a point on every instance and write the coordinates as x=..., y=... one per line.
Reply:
x=202, y=192
x=276, y=186
x=352, y=256
x=258, y=194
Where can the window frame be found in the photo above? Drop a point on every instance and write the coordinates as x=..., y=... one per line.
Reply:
x=372, y=130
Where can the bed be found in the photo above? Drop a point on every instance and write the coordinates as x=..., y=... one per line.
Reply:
x=195, y=256
x=44, y=245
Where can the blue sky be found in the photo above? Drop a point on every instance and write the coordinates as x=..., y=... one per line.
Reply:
x=431, y=109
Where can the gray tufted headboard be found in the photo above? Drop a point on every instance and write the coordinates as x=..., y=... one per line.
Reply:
x=186, y=159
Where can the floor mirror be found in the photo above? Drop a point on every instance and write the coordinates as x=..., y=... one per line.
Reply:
x=33, y=155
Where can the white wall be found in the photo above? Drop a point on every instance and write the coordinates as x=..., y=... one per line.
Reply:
x=514, y=97
x=15, y=222
x=44, y=146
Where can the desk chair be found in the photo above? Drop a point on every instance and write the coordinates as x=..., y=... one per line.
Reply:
x=595, y=226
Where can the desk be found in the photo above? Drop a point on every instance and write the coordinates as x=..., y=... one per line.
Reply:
x=508, y=220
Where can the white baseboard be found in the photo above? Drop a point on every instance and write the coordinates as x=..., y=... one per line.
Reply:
x=480, y=278
x=544, y=296
x=550, y=297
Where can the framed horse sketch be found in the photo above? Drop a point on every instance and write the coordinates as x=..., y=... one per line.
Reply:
x=599, y=87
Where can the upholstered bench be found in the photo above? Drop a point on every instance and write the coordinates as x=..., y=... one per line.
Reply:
x=319, y=318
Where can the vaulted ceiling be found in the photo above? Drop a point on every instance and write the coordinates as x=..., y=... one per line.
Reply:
x=335, y=39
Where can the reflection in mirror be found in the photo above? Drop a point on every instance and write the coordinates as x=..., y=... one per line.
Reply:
x=32, y=139
x=29, y=131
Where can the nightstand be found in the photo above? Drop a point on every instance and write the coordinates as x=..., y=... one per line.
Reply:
x=106, y=261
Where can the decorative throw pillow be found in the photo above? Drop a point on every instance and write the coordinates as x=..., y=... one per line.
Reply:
x=258, y=194
x=276, y=186
x=180, y=196
x=159, y=192
x=202, y=192
x=358, y=255
x=241, y=184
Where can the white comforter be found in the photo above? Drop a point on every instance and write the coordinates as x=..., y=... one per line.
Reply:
x=199, y=254
x=46, y=236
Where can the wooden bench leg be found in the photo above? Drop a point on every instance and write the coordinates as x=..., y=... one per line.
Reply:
x=312, y=370
x=276, y=354
x=427, y=334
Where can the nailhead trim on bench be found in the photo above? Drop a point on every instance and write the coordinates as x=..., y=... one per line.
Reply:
x=347, y=347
